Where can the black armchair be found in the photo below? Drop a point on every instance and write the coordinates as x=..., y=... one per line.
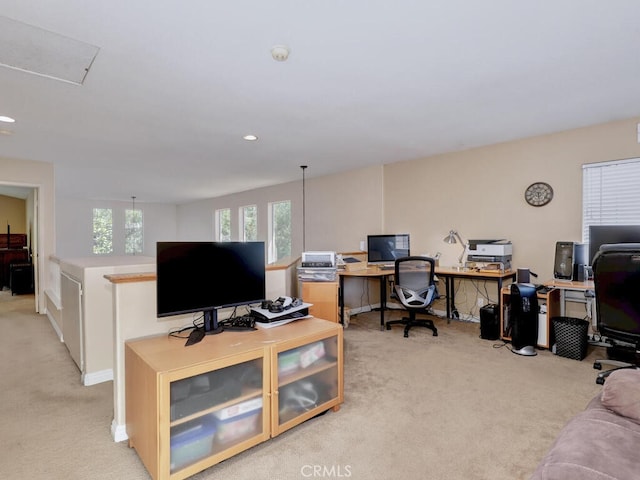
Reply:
x=616, y=277
x=415, y=288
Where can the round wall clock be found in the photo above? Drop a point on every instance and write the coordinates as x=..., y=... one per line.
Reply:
x=538, y=194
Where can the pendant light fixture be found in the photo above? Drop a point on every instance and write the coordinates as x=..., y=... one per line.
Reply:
x=304, y=224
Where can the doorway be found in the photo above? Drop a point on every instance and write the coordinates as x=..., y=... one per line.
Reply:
x=29, y=196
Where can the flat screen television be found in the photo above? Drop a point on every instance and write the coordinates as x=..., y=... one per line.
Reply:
x=603, y=234
x=384, y=249
x=207, y=276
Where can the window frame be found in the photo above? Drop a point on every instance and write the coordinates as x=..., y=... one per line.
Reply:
x=130, y=230
x=219, y=214
x=275, y=231
x=109, y=231
x=609, y=194
x=243, y=222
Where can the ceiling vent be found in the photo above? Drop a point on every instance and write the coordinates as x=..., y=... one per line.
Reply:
x=34, y=50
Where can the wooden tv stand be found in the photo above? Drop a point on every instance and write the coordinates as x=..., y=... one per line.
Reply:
x=188, y=408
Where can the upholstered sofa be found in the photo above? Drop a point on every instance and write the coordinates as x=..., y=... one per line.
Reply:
x=603, y=441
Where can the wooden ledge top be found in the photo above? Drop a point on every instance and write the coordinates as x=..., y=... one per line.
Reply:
x=131, y=277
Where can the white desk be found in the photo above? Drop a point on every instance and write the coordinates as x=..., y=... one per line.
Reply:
x=566, y=286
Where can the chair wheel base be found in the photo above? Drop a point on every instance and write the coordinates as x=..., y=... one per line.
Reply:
x=409, y=324
x=597, y=365
x=600, y=380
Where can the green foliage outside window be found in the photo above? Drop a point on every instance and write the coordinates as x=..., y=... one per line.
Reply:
x=224, y=225
x=250, y=223
x=133, y=231
x=282, y=228
x=102, y=231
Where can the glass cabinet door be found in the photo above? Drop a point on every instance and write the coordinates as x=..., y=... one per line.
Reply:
x=212, y=411
x=307, y=380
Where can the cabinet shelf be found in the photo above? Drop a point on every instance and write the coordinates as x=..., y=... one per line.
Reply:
x=249, y=395
x=319, y=366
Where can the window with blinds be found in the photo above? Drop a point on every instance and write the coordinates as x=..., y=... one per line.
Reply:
x=610, y=194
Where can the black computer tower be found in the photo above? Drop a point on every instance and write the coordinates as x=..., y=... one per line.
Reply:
x=21, y=278
x=570, y=261
x=490, y=322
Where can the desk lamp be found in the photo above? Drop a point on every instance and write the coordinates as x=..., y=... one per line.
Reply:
x=451, y=238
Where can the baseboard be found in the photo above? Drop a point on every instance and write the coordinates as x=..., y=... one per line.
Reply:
x=55, y=326
x=397, y=306
x=97, y=377
x=118, y=432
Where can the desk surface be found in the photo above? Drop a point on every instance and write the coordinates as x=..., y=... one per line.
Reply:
x=570, y=285
x=367, y=272
x=443, y=271
x=469, y=273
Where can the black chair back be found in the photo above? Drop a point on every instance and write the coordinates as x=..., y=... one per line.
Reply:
x=616, y=277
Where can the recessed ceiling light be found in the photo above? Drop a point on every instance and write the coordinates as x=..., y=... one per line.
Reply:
x=250, y=138
x=6, y=119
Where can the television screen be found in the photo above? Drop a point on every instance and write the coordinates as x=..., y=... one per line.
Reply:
x=603, y=234
x=207, y=276
x=384, y=249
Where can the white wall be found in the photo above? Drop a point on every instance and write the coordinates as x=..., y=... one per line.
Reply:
x=339, y=210
x=480, y=192
x=74, y=225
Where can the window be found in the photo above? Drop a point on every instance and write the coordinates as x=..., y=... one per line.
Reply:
x=102, y=231
x=133, y=228
x=610, y=194
x=249, y=223
x=279, y=230
x=223, y=225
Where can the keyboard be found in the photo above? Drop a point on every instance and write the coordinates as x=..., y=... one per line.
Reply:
x=239, y=324
x=543, y=289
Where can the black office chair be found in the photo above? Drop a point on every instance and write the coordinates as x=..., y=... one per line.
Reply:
x=616, y=277
x=415, y=288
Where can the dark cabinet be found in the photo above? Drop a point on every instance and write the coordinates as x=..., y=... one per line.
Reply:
x=8, y=257
x=21, y=278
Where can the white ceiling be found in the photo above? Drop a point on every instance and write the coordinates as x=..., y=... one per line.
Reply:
x=176, y=84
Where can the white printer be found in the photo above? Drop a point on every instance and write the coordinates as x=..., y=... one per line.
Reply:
x=490, y=252
x=317, y=267
x=319, y=259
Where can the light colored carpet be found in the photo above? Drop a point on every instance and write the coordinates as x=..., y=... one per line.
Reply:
x=448, y=407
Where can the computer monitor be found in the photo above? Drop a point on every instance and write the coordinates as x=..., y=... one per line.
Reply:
x=207, y=276
x=604, y=234
x=384, y=249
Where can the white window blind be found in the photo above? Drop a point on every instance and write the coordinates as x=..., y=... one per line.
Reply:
x=610, y=194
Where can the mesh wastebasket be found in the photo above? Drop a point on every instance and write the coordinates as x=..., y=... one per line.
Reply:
x=571, y=337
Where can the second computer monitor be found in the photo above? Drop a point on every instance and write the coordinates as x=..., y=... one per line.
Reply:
x=384, y=249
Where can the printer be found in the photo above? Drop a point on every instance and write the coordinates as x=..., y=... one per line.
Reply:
x=317, y=267
x=319, y=259
x=491, y=252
